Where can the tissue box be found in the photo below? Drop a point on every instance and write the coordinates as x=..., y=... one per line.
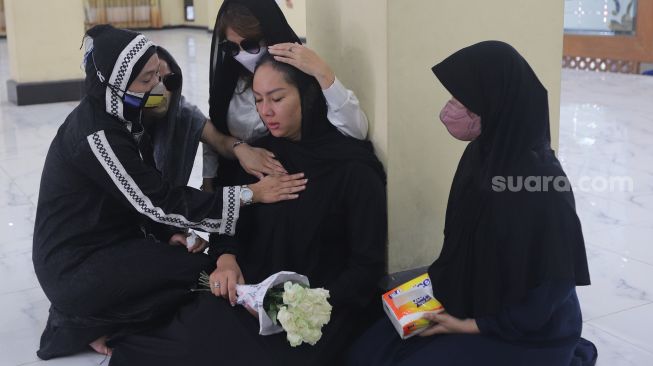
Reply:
x=406, y=305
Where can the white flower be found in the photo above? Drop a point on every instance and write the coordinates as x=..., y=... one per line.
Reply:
x=306, y=312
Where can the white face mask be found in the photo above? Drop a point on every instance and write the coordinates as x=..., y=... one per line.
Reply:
x=249, y=60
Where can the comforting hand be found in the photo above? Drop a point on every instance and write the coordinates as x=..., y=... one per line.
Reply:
x=275, y=188
x=304, y=59
x=258, y=162
x=225, y=278
x=444, y=323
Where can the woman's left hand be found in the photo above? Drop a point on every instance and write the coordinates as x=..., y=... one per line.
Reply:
x=304, y=59
x=182, y=239
x=444, y=323
x=200, y=245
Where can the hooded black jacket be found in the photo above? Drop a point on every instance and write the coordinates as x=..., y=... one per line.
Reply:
x=97, y=189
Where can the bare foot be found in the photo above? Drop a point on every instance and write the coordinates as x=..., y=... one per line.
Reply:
x=100, y=346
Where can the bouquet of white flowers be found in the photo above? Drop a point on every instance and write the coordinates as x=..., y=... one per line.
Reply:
x=286, y=298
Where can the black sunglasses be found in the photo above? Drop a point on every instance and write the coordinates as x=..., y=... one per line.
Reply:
x=252, y=46
x=171, y=81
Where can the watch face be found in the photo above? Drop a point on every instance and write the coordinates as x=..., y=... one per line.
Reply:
x=247, y=194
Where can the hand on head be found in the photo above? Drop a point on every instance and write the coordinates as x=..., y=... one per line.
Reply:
x=306, y=60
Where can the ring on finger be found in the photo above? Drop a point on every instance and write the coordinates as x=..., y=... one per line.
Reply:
x=216, y=284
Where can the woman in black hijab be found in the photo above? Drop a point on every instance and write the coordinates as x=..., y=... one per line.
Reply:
x=335, y=234
x=245, y=31
x=512, y=256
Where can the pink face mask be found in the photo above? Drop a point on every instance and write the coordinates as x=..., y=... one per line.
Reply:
x=461, y=123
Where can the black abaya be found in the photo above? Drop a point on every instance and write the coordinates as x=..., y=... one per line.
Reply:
x=510, y=260
x=334, y=233
x=105, y=213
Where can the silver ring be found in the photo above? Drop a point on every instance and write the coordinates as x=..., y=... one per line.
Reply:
x=216, y=284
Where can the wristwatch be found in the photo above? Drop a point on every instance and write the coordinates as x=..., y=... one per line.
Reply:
x=246, y=195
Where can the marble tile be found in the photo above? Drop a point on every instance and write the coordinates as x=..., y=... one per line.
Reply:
x=10, y=192
x=629, y=241
x=618, y=283
x=634, y=326
x=29, y=128
x=26, y=309
x=25, y=171
x=83, y=359
x=614, y=351
x=17, y=222
x=17, y=270
x=22, y=320
x=611, y=212
x=19, y=348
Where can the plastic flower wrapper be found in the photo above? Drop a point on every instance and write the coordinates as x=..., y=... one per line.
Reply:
x=285, y=298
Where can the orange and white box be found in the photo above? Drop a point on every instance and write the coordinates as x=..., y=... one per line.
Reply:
x=406, y=305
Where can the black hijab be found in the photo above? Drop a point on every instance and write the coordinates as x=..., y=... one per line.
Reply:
x=175, y=138
x=498, y=245
x=225, y=70
x=338, y=225
x=321, y=144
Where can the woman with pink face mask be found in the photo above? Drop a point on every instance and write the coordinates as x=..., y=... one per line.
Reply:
x=511, y=258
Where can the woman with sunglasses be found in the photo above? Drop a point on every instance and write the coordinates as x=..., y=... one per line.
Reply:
x=245, y=30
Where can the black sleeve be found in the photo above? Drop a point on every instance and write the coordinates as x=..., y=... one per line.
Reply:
x=112, y=160
x=528, y=318
x=232, y=244
x=367, y=228
x=161, y=232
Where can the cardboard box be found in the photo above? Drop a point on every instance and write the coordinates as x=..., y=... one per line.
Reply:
x=406, y=305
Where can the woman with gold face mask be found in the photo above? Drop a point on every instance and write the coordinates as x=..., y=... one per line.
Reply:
x=110, y=249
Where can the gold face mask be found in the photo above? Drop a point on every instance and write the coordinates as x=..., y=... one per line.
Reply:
x=157, y=96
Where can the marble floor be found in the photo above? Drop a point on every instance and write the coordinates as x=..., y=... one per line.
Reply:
x=605, y=139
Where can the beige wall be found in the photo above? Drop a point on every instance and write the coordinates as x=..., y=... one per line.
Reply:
x=212, y=11
x=172, y=12
x=41, y=46
x=296, y=16
x=205, y=12
x=385, y=56
x=357, y=49
x=201, y=14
